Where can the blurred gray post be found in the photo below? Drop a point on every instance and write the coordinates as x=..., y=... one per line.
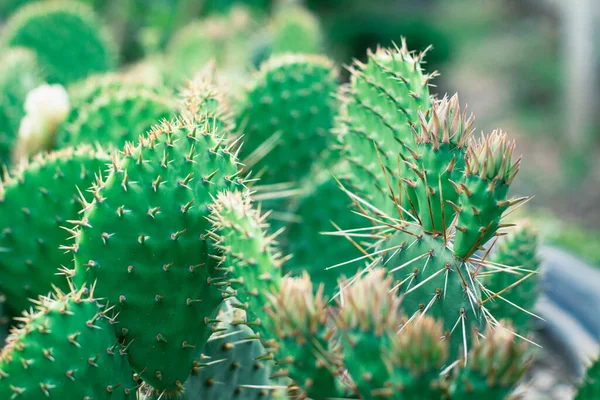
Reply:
x=579, y=50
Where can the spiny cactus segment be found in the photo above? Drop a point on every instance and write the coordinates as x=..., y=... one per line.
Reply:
x=67, y=38
x=286, y=117
x=144, y=239
x=36, y=202
x=494, y=365
x=378, y=109
x=65, y=348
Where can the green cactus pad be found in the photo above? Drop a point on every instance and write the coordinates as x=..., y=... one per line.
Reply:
x=35, y=204
x=65, y=349
x=298, y=319
x=225, y=39
x=19, y=73
x=433, y=282
x=117, y=117
x=144, y=240
x=590, y=387
x=482, y=192
x=66, y=36
x=232, y=370
x=248, y=254
x=294, y=29
x=379, y=106
x=417, y=358
x=517, y=253
x=288, y=112
x=438, y=162
x=368, y=320
x=494, y=366
x=316, y=211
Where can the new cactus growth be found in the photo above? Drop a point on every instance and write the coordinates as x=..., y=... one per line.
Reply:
x=19, y=74
x=298, y=319
x=36, y=202
x=494, y=365
x=286, y=117
x=143, y=238
x=65, y=348
x=368, y=320
x=67, y=38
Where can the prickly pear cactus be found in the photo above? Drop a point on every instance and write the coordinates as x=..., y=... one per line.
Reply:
x=204, y=98
x=286, y=117
x=36, y=202
x=294, y=29
x=224, y=39
x=379, y=106
x=19, y=74
x=67, y=38
x=298, y=319
x=231, y=366
x=432, y=233
x=590, y=387
x=368, y=320
x=143, y=238
x=516, y=257
x=117, y=117
x=248, y=254
x=493, y=367
x=65, y=349
x=312, y=234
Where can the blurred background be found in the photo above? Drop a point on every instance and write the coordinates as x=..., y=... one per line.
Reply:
x=530, y=67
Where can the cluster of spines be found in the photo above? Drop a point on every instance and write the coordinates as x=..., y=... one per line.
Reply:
x=65, y=347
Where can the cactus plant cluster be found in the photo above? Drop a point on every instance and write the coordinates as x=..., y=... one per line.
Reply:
x=167, y=243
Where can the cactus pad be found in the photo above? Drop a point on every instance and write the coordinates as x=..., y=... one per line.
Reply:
x=67, y=38
x=65, y=349
x=144, y=240
x=35, y=204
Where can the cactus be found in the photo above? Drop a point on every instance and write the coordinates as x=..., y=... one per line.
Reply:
x=65, y=349
x=293, y=29
x=36, y=201
x=117, y=117
x=224, y=39
x=590, y=386
x=312, y=234
x=494, y=366
x=67, y=38
x=379, y=107
x=517, y=253
x=204, y=99
x=143, y=240
x=286, y=117
x=19, y=74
